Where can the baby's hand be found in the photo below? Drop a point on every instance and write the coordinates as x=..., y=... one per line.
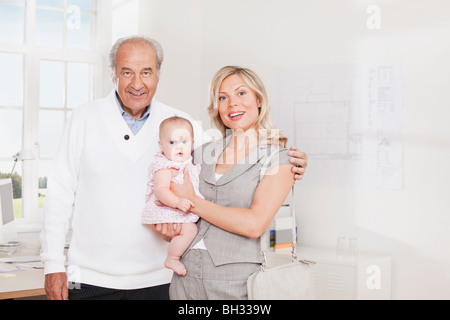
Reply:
x=184, y=204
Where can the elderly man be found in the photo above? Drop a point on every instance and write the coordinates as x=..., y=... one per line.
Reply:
x=99, y=181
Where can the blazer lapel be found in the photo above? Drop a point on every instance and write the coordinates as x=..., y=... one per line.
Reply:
x=208, y=172
x=245, y=164
x=210, y=157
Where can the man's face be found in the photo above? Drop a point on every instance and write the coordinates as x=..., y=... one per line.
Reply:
x=137, y=77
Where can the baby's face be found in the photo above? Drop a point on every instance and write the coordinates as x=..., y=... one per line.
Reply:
x=176, y=142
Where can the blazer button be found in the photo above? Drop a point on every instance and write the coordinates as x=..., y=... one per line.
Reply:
x=127, y=137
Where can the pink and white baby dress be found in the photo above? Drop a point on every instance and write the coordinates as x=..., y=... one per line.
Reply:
x=154, y=214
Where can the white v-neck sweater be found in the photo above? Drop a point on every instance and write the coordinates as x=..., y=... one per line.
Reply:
x=99, y=177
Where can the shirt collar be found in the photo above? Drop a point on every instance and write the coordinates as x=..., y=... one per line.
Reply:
x=123, y=113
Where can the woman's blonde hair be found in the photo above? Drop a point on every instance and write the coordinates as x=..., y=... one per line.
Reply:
x=264, y=125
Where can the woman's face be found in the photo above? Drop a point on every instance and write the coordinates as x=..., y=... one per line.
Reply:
x=238, y=104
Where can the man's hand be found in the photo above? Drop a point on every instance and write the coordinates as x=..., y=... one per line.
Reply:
x=56, y=286
x=300, y=160
x=167, y=231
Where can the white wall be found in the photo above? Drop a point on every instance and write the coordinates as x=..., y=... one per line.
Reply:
x=177, y=26
x=412, y=225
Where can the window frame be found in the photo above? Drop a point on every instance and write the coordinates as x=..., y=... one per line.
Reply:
x=33, y=55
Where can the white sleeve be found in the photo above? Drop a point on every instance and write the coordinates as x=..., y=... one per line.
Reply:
x=61, y=191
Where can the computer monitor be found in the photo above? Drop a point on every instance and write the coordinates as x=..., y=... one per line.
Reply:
x=7, y=226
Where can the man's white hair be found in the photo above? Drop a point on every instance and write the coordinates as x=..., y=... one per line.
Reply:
x=135, y=39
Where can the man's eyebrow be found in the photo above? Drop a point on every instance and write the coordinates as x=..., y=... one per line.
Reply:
x=129, y=69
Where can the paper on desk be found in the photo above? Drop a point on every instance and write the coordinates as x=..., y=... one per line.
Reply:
x=6, y=267
x=8, y=250
x=24, y=259
x=32, y=265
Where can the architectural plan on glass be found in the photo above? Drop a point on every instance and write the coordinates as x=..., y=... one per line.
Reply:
x=347, y=118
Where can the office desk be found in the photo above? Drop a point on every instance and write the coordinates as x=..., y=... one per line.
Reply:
x=27, y=282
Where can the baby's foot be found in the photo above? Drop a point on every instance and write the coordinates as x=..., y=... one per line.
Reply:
x=176, y=266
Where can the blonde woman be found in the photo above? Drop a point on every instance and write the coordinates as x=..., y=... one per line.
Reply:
x=245, y=179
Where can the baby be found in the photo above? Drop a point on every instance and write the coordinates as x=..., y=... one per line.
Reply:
x=176, y=142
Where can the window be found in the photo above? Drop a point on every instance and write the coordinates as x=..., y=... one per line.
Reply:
x=64, y=23
x=12, y=21
x=11, y=118
x=49, y=61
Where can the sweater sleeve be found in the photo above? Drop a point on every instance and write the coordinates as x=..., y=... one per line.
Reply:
x=61, y=192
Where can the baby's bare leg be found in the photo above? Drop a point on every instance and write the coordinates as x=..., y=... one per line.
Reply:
x=178, y=246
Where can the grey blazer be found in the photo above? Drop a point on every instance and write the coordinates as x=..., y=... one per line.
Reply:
x=234, y=189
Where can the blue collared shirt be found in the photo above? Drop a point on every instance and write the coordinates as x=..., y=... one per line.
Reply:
x=134, y=125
